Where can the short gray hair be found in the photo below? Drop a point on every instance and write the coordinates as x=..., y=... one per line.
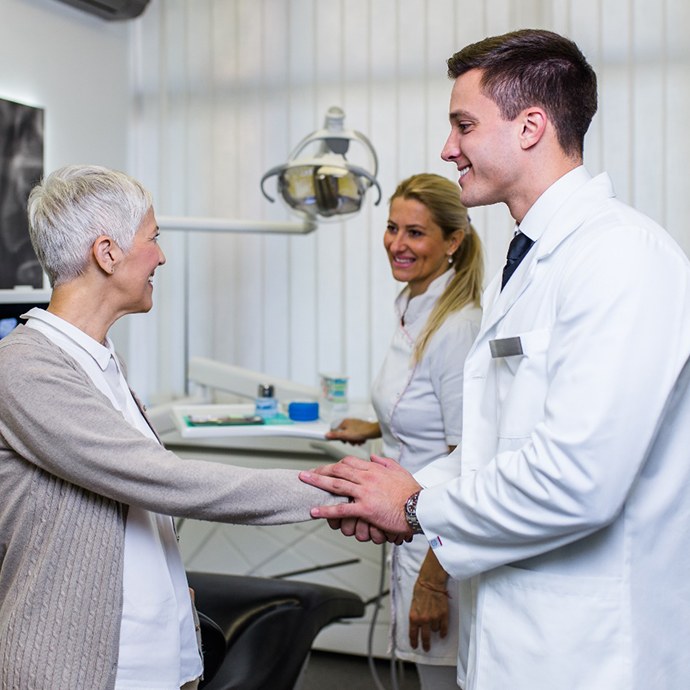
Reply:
x=71, y=207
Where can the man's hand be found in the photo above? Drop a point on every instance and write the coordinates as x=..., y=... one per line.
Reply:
x=378, y=489
x=363, y=531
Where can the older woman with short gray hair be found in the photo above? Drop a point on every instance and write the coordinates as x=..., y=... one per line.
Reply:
x=93, y=592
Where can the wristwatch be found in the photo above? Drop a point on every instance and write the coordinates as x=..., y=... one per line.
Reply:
x=411, y=514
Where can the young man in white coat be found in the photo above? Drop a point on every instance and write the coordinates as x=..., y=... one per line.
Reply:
x=575, y=539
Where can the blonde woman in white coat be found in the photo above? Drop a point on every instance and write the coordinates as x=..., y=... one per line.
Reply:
x=417, y=397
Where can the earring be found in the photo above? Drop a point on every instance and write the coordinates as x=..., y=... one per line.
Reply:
x=450, y=258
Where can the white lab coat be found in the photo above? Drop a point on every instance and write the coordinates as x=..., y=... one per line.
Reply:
x=577, y=543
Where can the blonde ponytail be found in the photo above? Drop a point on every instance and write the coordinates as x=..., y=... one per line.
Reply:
x=464, y=288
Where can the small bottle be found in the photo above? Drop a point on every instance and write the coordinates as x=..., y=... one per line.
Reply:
x=266, y=404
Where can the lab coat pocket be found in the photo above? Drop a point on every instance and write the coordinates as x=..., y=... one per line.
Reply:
x=542, y=631
x=521, y=380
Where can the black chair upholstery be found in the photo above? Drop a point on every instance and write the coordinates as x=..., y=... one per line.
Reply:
x=257, y=632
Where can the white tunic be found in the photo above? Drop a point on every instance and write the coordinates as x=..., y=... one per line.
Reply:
x=419, y=409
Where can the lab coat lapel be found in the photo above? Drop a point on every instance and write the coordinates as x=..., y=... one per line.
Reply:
x=502, y=300
x=565, y=221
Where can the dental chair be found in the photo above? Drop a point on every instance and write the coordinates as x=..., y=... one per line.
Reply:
x=257, y=632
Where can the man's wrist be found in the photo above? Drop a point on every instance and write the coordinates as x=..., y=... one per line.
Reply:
x=411, y=513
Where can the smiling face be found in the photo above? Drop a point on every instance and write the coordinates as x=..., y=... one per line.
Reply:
x=482, y=145
x=417, y=251
x=135, y=271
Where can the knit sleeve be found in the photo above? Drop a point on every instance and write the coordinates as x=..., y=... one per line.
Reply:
x=52, y=416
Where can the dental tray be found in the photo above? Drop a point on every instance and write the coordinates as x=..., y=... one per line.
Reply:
x=208, y=421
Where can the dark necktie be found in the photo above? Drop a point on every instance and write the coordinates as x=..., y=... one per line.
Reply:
x=519, y=246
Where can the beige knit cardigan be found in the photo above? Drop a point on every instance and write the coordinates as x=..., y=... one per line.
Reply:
x=69, y=467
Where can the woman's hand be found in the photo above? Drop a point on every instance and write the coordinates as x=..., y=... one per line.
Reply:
x=354, y=431
x=430, y=606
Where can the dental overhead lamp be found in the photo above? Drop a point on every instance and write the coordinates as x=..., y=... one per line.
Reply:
x=318, y=180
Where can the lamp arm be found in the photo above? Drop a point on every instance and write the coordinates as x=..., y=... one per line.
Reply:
x=223, y=225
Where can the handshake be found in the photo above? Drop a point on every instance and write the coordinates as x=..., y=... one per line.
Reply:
x=377, y=492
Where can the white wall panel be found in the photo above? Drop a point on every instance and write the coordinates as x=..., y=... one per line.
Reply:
x=440, y=42
x=386, y=136
x=586, y=20
x=250, y=278
x=226, y=88
x=356, y=289
x=616, y=94
x=648, y=71
x=275, y=267
x=673, y=116
x=300, y=107
x=329, y=62
x=75, y=66
x=412, y=89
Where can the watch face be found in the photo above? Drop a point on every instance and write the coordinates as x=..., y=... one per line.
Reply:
x=411, y=513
